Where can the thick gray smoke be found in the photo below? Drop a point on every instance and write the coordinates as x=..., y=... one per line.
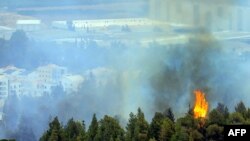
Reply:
x=184, y=69
x=119, y=79
x=153, y=78
x=202, y=63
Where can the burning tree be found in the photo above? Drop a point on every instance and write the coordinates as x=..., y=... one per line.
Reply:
x=201, y=105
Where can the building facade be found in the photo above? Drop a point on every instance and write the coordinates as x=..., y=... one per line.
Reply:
x=19, y=82
x=223, y=15
x=28, y=25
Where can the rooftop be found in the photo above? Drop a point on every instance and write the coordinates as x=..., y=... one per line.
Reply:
x=28, y=22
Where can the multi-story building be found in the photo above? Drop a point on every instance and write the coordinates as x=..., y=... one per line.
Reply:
x=222, y=15
x=67, y=84
x=4, y=87
x=19, y=82
x=110, y=24
x=28, y=25
x=37, y=83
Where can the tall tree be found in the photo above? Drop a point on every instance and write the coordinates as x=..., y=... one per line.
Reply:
x=241, y=108
x=221, y=108
x=166, y=130
x=214, y=132
x=215, y=117
x=130, y=128
x=236, y=118
x=74, y=131
x=169, y=113
x=109, y=129
x=55, y=132
x=93, y=128
x=181, y=134
x=155, y=126
x=142, y=127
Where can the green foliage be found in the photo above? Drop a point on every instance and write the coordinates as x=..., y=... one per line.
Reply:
x=188, y=122
x=130, y=135
x=241, y=108
x=195, y=135
x=161, y=128
x=137, y=127
x=155, y=126
x=221, y=108
x=181, y=134
x=169, y=113
x=93, y=128
x=109, y=129
x=166, y=130
x=248, y=113
x=75, y=131
x=142, y=127
x=55, y=132
x=216, y=117
x=214, y=132
x=236, y=118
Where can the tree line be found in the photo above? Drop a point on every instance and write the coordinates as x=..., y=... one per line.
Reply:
x=163, y=127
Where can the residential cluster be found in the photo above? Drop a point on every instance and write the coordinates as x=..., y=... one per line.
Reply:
x=37, y=83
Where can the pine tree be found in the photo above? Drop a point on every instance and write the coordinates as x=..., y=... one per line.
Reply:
x=169, y=113
x=74, y=130
x=221, y=108
x=241, y=108
x=55, y=132
x=93, y=128
x=142, y=127
x=130, y=133
x=155, y=126
x=166, y=130
x=109, y=129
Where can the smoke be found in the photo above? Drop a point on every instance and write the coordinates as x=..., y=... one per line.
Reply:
x=153, y=78
x=119, y=79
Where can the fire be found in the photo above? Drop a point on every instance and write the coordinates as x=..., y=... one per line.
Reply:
x=201, y=105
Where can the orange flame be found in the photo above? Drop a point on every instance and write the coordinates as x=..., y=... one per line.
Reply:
x=201, y=105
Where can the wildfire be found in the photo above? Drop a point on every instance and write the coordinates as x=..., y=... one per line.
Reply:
x=201, y=105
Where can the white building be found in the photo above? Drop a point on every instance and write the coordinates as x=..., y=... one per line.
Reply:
x=44, y=78
x=71, y=83
x=36, y=83
x=211, y=14
x=4, y=87
x=28, y=25
x=59, y=24
x=106, y=24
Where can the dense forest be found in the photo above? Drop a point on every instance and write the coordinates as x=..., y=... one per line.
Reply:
x=163, y=127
